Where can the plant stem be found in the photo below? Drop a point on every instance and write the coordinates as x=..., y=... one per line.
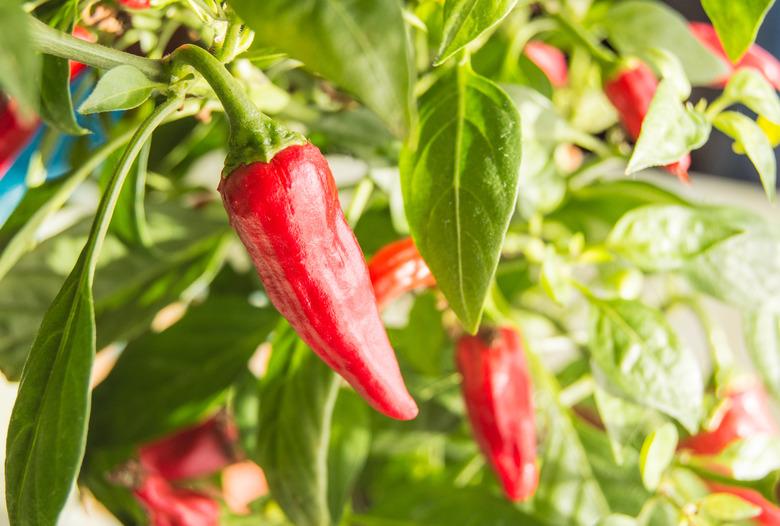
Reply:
x=603, y=55
x=53, y=42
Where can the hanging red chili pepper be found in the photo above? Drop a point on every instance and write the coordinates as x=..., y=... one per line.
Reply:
x=748, y=414
x=282, y=201
x=171, y=506
x=755, y=57
x=770, y=513
x=195, y=452
x=550, y=60
x=396, y=269
x=631, y=91
x=498, y=393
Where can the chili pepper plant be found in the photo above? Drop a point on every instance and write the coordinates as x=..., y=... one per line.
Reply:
x=386, y=262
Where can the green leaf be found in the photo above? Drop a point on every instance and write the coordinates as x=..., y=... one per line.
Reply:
x=298, y=395
x=635, y=26
x=636, y=351
x=163, y=381
x=669, y=131
x=422, y=342
x=736, y=23
x=624, y=421
x=56, y=104
x=18, y=59
x=749, y=87
x=129, y=221
x=665, y=237
x=751, y=458
x=617, y=520
x=761, y=329
x=727, y=507
x=751, y=139
x=466, y=20
x=657, y=454
x=121, y=88
x=47, y=430
x=459, y=179
x=361, y=45
x=669, y=66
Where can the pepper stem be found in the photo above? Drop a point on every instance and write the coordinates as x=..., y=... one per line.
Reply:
x=253, y=135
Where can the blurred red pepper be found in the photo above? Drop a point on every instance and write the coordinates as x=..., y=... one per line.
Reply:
x=631, y=91
x=170, y=506
x=195, y=452
x=498, y=393
x=398, y=268
x=550, y=60
x=756, y=57
x=770, y=513
x=748, y=414
x=136, y=4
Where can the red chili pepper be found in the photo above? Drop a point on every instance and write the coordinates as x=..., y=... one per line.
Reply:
x=550, y=60
x=83, y=34
x=196, y=452
x=748, y=414
x=396, y=269
x=756, y=57
x=288, y=215
x=631, y=91
x=498, y=394
x=136, y=4
x=770, y=513
x=170, y=506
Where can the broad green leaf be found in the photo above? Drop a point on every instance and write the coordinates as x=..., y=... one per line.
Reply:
x=657, y=454
x=361, y=45
x=19, y=61
x=298, y=395
x=466, y=20
x=163, y=381
x=48, y=426
x=751, y=139
x=636, y=351
x=749, y=87
x=752, y=458
x=635, y=26
x=459, y=178
x=761, y=329
x=736, y=23
x=422, y=343
x=664, y=237
x=121, y=88
x=669, y=131
x=727, y=507
x=624, y=421
x=56, y=104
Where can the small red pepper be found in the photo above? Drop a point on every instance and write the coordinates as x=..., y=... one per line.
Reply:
x=550, y=60
x=631, y=91
x=171, y=506
x=195, y=452
x=770, y=513
x=755, y=57
x=498, y=393
x=748, y=414
x=396, y=269
x=136, y=4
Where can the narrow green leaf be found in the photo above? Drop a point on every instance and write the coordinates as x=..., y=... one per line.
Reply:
x=656, y=455
x=664, y=237
x=749, y=87
x=18, y=60
x=750, y=138
x=736, y=23
x=361, y=45
x=727, y=507
x=121, y=88
x=56, y=104
x=129, y=221
x=467, y=20
x=635, y=26
x=635, y=350
x=459, y=178
x=669, y=131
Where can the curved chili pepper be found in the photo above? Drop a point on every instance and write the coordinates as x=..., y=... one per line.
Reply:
x=550, y=60
x=748, y=414
x=755, y=57
x=195, y=452
x=770, y=513
x=631, y=91
x=498, y=394
x=287, y=214
x=170, y=506
x=398, y=268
